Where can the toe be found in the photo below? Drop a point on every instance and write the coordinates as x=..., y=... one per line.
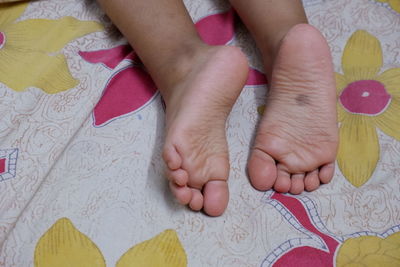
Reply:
x=216, y=196
x=311, y=182
x=182, y=193
x=179, y=176
x=196, y=203
x=262, y=170
x=297, y=185
x=326, y=173
x=171, y=157
x=282, y=184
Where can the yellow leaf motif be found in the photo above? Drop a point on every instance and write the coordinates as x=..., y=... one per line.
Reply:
x=163, y=250
x=63, y=245
x=370, y=251
x=32, y=47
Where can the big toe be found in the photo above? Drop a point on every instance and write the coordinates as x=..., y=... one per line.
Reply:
x=262, y=170
x=216, y=196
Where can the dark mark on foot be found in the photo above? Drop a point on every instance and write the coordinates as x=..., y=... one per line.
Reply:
x=303, y=100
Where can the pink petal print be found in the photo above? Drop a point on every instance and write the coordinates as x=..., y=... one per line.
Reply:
x=109, y=57
x=256, y=77
x=304, y=255
x=217, y=29
x=128, y=91
x=2, y=165
x=8, y=163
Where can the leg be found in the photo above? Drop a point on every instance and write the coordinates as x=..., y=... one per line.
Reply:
x=297, y=138
x=199, y=84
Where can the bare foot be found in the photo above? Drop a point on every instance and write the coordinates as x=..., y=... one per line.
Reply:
x=195, y=150
x=297, y=138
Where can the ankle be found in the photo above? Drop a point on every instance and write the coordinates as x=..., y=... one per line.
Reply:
x=174, y=67
x=270, y=47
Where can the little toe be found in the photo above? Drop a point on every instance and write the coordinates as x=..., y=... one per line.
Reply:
x=182, y=193
x=171, y=157
x=196, y=203
x=326, y=173
x=262, y=170
x=297, y=185
x=282, y=184
x=311, y=182
x=179, y=176
x=216, y=196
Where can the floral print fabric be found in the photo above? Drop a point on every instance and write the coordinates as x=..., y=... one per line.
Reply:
x=81, y=175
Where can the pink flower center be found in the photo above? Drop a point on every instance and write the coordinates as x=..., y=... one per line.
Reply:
x=367, y=97
x=2, y=39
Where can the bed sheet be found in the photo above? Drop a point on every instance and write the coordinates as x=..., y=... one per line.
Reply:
x=81, y=132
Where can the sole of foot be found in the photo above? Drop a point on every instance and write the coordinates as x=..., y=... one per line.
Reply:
x=195, y=149
x=297, y=139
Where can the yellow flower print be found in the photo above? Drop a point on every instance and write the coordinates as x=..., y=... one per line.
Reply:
x=63, y=245
x=367, y=100
x=370, y=251
x=395, y=4
x=29, y=49
x=163, y=250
